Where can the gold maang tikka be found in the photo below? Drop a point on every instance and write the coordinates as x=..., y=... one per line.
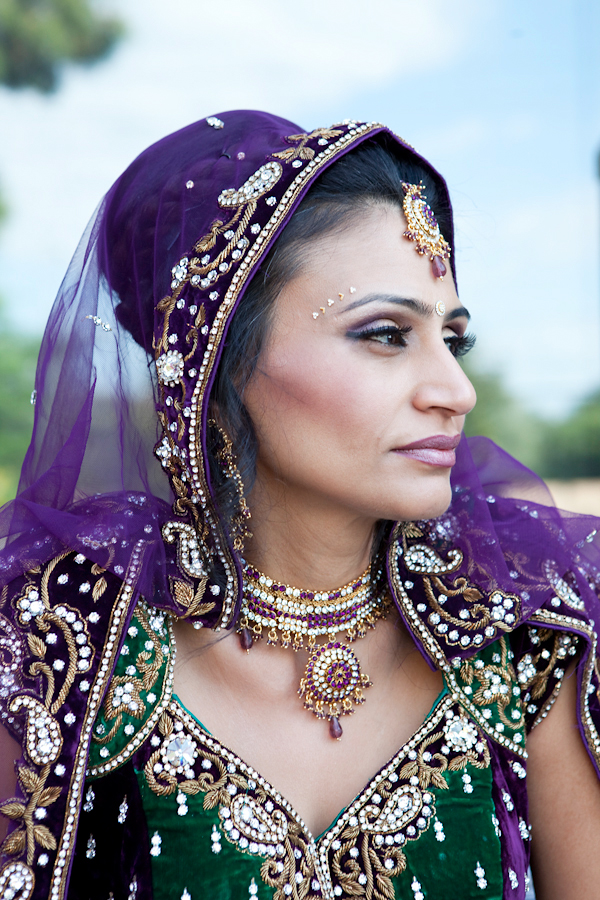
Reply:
x=423, y=228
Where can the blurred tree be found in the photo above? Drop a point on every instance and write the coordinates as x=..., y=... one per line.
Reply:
x=571, y=449
x=38, y=36
x=18, y=357
x=500, y=416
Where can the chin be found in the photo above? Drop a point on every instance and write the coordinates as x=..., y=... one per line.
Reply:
x=427, y=505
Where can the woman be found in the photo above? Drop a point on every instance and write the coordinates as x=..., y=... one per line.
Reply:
x=262, y=285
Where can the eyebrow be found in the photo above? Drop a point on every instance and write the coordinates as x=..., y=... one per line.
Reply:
x=418, y=306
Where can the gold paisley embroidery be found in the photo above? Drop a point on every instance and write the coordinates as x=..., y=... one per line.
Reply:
x=43, y=738
x=483, y=617
x=16, y=881
x=203, y=271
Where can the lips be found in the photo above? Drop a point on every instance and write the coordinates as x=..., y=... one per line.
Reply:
x=437, y=450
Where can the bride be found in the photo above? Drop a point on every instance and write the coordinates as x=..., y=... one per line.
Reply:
x=304, y=640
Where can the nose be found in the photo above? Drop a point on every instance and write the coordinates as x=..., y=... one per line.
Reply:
x=444, y=385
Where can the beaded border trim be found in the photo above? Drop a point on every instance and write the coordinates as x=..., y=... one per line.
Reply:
x=239, y=279
x=111, y=649
x=558, y=622
x=437, y=655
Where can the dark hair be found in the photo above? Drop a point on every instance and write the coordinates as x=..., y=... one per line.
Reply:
x=370, y=174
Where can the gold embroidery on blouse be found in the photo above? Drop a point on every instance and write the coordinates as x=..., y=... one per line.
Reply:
x=562, y=622
x=498, y=613
x=536, y=669
x=124, y=693
x=496, y=682
x=258, y=821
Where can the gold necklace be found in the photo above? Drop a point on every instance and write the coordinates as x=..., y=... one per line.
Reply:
x=332, y=680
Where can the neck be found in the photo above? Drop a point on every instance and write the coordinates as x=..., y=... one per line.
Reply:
x=310, y=545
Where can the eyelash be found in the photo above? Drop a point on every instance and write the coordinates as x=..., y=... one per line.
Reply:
x=459, y=345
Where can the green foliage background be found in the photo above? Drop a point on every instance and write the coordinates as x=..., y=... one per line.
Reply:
x=564, y=449
x=38, y=36
x=18, y=358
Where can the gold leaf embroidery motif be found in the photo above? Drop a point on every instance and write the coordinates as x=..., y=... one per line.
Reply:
x=301, y=151
x=124, y=693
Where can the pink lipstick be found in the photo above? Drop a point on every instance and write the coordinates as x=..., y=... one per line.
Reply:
x=437, y=450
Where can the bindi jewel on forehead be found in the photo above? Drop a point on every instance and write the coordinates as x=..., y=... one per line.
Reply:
x=423, y=228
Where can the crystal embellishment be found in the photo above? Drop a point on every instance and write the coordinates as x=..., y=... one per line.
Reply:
x=170, y=367
x=258, y=184
x=180, y=752
x=460, y=733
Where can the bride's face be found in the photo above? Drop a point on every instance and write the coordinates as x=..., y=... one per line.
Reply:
x=338, y=400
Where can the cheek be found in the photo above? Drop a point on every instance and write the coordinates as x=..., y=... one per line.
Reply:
x=320, y=397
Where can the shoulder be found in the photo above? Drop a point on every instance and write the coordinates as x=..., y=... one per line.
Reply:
x=456, y=607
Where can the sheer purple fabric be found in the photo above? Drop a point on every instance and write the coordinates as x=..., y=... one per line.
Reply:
x=91, y=480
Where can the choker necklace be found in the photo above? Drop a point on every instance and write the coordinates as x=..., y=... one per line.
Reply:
x=332, y=679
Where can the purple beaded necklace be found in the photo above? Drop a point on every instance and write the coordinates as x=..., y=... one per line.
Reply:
x=332, y=680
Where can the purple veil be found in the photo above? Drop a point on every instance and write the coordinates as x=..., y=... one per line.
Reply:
x=118, y=453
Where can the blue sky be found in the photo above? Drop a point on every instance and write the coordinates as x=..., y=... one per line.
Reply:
x=503, y=97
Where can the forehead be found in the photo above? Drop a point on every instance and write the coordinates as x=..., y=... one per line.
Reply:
x=370, y=253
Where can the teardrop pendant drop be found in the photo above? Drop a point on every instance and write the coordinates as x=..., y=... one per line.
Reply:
x=335, y=729
x=438, y=266
x=245, y=636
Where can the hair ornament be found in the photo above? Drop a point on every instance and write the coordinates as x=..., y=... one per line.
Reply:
x=423, y=228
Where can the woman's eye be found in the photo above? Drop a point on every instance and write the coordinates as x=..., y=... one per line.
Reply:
x=460, y=344
x=389, y=335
